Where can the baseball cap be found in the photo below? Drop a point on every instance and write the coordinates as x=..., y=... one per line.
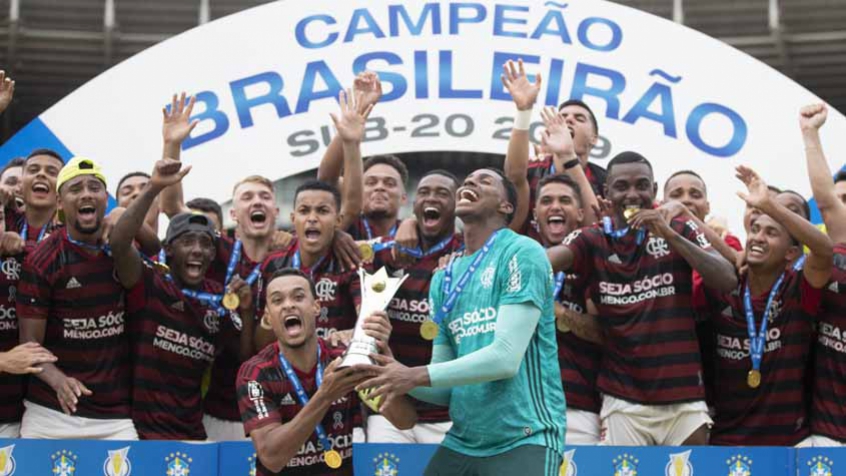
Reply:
x=187, y=222
x=79, y=166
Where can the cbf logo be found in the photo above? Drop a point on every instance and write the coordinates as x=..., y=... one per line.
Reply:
x=7, y=462
x=739, y=465
x=817, y=466
x=568, y=467
x=178, y=464
x=117, y=463
x=252, y=462
x=625, y=465
x=386, y=464
x=679, y=465
x=64, y=463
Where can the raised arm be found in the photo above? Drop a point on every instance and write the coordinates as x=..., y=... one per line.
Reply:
x=817, y=268
x=350, y=127
x=673, y=208
x=7, y=91
x=833, y=211
x=176, y=127
x=561, y=257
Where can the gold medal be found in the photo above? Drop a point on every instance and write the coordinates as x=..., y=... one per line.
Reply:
x=379, y=286
x=332, y=459
x=429, y=330
x=366, y=250
x=753, y=378
x=372, y=403
x=630, y=212
x=231, y=301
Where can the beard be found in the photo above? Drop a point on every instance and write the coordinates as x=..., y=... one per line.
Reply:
x=90, y=230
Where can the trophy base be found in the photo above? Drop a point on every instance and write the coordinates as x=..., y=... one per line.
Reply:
x=355, y=359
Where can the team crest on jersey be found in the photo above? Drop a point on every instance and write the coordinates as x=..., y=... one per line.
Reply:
x=212, y=321
x=64, y=463
x=568, y=467
x=117, y=463
x=625, y=465
x=11, y=268
x=252, y=462
x=739, y=465
x=386, y=464
x=178, y=464
x=679, y=465
x=515, y=279
x=325, y=289
x=820, y=466
x=657, y=247
x=487, y=277
x=775, y=309
x=7, y=462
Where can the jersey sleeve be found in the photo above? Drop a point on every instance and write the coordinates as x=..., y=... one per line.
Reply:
x=35, y=291
x=809, y=297
x=136, y=297
x=580, y=245
x=526, y=276
x=255, y=401
x=690, y=230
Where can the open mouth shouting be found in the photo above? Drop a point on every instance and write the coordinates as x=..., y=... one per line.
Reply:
x=293, y=325
x=40, y=190
x=258, y=218
x=194, y=269
x=312, y=234
x=556, y=224
x=466, y=195
x=431, y=217
x=757, y=252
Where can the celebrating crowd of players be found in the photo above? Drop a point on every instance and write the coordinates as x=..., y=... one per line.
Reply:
x=667, y=331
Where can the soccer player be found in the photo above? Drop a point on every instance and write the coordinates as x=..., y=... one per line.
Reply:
x=209, y=208
x=765, y=326
x=10, y=180
x=828, y=414
x=129, y=188
x=297, y=404
x=639, y=269
x=69, y=301
x=434, y=222
x=493, y=311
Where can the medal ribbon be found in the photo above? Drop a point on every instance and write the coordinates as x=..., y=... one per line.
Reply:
x=25, y=231
x=615, y=234
x=418, y=252
x=559, y=283
x=452, y=296
x=303, y=397
x=757, y=340
x=369, y=230
x=296, y=263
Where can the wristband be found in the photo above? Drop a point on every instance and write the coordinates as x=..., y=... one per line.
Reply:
x=522, y=120
x=571, y=163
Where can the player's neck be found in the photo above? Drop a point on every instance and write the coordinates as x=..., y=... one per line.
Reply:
x=255, y=248
x=302, y=358
x=476, y=233
x=427, y=242
x=761, y=279
x=310, y=258
x=38, y=217
x=92, y=239
x=381, y=225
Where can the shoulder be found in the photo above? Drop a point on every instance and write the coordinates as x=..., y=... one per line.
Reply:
x=47, y=253
x=253, y=368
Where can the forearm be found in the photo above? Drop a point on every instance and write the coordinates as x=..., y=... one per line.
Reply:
x=801, y=229
x=401, y=413
x=276, y=447
x=583, y=325
x=819, y=173
x=330, y=166
x=717, y=273
x=425, y=393
x=716, y=240
x=353, y=181
x=148, y=240
x=588, y=198
x=560, y=257
x=130, y=223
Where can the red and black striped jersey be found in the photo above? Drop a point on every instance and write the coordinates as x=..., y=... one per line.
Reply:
x=266, y=396
x=358, y=230
x=775, y=413
x=828, y=413
x=643, y=295
x=173, y=341
x=78, y=295
x=408, y=309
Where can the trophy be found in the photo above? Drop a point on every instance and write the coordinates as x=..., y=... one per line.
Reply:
x=377, y=290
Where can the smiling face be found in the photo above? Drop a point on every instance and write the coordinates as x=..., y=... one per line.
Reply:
x=630, y=185
x=315, y=217
x=10, y=183
x=557, y=212
x=83, y=200
x=689, y=190
x=291, y=310
x=769, y=245
x=40, y=174
x=189, y=256
x=254, y=210
x=384, y=191
x=434, y=205
x=482, y=196
x=130, y=189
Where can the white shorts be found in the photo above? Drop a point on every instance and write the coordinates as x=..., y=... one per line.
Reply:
x=582, y=428
x=819, y=441
x=380, y=430
x=223, y=430
x=45, y=423
x=627, y=423
x=10, y=430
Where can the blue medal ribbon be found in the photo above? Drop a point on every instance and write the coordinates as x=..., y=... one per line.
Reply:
x=296, y=262
x=369, y=230
x=303, y=397
x=609, y=230
x=757, y=339
x=418, y=251
x=105, y=248
x=25, y=232
x=162, y=256
x=452, y=295
x=559, y=283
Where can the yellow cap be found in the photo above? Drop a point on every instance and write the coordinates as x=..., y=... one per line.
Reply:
x=79, y=166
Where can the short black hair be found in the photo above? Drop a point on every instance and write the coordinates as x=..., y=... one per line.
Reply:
x=806, y=207
x=627, y=157
x=774, y=189
x=840, y=176
x=44, y=151
x=562, y=179
x=16, y=162
x=581, y=104
x=206, y=205
x=444, y=173
x=293, y=272
x=686, y=172
x=129, y=176
x=319, y=185
x=391, y=161
x=510, y=191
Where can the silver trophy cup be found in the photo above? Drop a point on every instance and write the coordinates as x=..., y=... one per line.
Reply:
x=377, y=290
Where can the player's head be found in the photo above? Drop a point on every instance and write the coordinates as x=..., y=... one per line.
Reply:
x=840, y=185
x=688, y=187
x=558, y=208
x=630, y=183
x=82, y=195
x=190, y=249
x=769, y=246
x=209, y=208
x=130, y=186
x=10, y=179
x=316, y=213
x=434, y=203
x=486, y=194
x=40, y=172
x=795, y=202
x=254, y=207
x=749, y=213
x=385, y=178
x=292, y=308
x=582, y=124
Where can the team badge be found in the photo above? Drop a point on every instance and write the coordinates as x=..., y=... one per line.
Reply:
x=178, y=464
x=625, y=465
x=739, y=465
x=657, y=247
x=7, y=462
x=252, y=462
x=817, y=466
x=117, y=463
x=64, y=463
x=487, y=277
x=568, y=467
x=679, y=465
x=386, y=464
x=325, y=289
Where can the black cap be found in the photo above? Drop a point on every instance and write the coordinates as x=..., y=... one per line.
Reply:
x=185, y=222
